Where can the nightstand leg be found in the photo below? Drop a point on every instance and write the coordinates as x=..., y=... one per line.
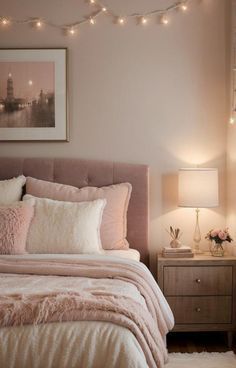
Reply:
x=230, y=339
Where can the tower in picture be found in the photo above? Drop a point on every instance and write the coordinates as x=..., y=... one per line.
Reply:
x=10, y=89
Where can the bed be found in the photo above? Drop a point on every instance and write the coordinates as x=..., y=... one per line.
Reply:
x=85, y=311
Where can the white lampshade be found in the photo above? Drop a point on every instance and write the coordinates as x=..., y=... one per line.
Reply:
x=198, y=188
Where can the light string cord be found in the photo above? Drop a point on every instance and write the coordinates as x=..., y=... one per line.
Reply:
x=99, y=9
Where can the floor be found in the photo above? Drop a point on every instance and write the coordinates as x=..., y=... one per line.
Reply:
x=185, y=342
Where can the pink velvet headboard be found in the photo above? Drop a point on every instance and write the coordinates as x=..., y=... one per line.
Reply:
x=81, y=173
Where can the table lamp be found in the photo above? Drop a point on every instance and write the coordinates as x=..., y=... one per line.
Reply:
x=198, y=188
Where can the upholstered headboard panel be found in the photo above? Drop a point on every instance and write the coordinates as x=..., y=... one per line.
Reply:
x=81, y=173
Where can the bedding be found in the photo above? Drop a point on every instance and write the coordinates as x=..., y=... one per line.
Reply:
x=98, y=293
x=14, y=225
x=114, y=221
x=11, y=190
x=124, y=253
x=64, y=227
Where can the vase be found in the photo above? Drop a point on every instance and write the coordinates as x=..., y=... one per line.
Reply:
x=217, y=249
x=175, y=243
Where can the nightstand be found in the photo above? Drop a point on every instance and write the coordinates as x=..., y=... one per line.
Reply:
x=201, y=292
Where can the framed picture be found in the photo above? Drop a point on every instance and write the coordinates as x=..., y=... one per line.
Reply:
x=33, y=95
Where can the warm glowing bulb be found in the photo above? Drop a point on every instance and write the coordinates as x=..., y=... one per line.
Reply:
x=30, y=82
x=184, y=7
x=39, y=24
x=72, y=31
x=92, y=2
x=164, y=20
x=144, y=20
x=104, y=9
x=121, y=20
x=232, y=121
x=92, y=21
x=5, y=21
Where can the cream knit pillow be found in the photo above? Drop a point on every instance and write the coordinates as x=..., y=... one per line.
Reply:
x=11, y=190
x=65, y=227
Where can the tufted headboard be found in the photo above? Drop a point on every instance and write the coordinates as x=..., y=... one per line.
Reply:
x=81, y=173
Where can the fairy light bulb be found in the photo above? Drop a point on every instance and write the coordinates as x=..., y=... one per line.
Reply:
x=121, y=20
x=232, y=121
x=72, y=31
x=164, y=20
x=5, y=21
x=92, y=21
x=144, y=20
x=38, y=24
x=104, y=9
x=184, y=7
x=92, y=2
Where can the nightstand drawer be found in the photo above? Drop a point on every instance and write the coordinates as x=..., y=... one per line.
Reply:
x=204, y=309
x=198, y=280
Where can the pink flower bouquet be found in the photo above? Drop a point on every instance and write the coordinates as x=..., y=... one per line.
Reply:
x=219, y=235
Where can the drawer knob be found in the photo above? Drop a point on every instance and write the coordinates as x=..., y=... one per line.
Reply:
x=198, y=281
x=198, y=309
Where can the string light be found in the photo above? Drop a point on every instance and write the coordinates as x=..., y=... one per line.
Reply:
x=164, y=20
x=144, y=20
x=38, y=23
x=140, y=18
x=184, y=7
x=4, y=21
x=121, y=20
x=232, y=121
x=71, y=31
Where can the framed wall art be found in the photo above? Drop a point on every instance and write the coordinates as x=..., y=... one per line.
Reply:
x=33, y=95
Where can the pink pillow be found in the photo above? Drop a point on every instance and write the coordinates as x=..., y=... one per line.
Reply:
x=114, y=221
x=14, y=225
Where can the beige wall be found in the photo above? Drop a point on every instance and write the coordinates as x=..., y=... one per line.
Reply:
x=231, y=153
x=154, y=95
x=231, y=198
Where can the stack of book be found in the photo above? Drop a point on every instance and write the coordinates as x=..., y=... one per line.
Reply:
x=182, y=252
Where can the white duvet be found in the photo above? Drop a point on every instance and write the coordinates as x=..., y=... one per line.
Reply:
x=82, y=344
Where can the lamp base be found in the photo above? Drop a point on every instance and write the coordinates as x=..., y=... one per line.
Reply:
x=197, y=251
x=197, y=235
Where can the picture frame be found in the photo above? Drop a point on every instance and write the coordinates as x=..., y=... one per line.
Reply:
x=33, y=95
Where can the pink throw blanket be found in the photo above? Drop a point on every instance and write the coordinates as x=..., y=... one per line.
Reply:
x=149, y=325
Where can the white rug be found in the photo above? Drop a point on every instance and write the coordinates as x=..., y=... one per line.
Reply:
x=202, y=360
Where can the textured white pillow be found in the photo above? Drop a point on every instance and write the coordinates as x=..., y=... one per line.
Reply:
x=65, y=227
x=11, y=190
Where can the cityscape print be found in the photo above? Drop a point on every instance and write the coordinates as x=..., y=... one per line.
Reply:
x=27, y=94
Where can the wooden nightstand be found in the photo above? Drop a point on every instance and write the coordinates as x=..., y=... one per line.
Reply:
x=201, y=292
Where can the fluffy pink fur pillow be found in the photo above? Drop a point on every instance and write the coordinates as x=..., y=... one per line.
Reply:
x=14, y=225
x=114, y=220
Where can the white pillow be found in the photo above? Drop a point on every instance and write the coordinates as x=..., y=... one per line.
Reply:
x=11, y=190
x=65, y=227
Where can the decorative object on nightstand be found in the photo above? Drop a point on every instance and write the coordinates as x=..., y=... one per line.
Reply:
x=198, y=188
x=175, y=235
x=217, y=238
x=201, y=292
x=181, y=252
